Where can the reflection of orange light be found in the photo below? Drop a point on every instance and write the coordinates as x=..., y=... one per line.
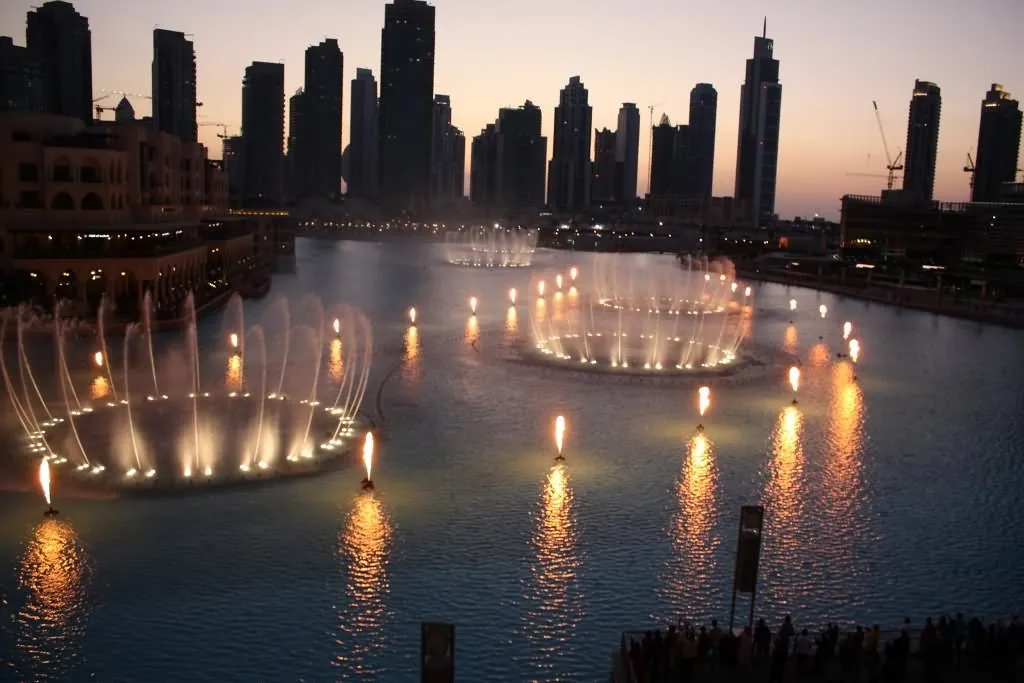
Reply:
x=845, y=437
x=819, y=355
x=99, y=387
x=233, y=376
x=794, y=378
x=511, y=320
x=703, y=400
x=97, y=358
x=412, y=343
x=472, y=329
x=335, y=361
x=559, y=433
x=541, y=313
x=790, y=342
x=555, y=537
x=54, y=576
x=559, y=309
x=787, y=453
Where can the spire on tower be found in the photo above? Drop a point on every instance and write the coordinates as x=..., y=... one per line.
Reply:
x=765, y=33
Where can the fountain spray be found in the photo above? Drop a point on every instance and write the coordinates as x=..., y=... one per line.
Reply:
x=703, y=403
x=559, y=437
x=794, y=381
x=44, y=483
x=367, y=483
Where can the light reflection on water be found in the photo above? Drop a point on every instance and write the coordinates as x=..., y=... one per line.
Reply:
x=99, y=387
x=233, y=373
x=51, y=623
x=472, y=329
x=335, y=360
x=843, y=486
x=365, y=553
x=784, y=546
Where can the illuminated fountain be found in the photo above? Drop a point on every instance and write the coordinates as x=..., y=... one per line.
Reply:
x=490, y=247
x=44, y=484
x=794, y=381
x=271, y=415
x=367, y=483
x=703, y=403
x=643, y=313
x=559, y=437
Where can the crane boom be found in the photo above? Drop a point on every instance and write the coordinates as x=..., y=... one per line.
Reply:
x=892, y=165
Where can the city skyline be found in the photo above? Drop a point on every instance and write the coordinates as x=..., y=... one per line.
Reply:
x=484, y=71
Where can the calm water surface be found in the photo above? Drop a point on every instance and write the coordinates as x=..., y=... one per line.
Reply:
x=894, y=495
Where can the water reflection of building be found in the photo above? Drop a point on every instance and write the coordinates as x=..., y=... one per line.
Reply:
x=688, y=582
x=365, y=551
x=554, y=600
x=51, y=623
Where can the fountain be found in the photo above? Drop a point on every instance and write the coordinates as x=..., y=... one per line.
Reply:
x=182, y=428
x=490, y=247
x=643, y=313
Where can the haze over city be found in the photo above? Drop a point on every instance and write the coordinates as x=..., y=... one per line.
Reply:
x=834, y=60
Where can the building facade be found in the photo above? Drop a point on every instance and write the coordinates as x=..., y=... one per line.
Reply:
x=627, y=152
x=603, y=185
x=757, y=156
x=483, y=182
x=521, y=156
x=922, y=141
x=263, y=134
x=60, y=37
x=569, y=174
x=363, y=143
x=319, y=152
x=998, y=145
x=701, y=150
x=22, y=80
x=406, y=112
x=174, y=84
x=447, y=155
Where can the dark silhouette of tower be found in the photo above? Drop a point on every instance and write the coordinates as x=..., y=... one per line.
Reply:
x=363, y=143
x=22, y=81
x=263, y=134
x=406, y=103
x=922, y=141
x=663, y=157
x=757, y=156
x=483, y=169
x=569, y=174
x=998, y=145
x=60, y=37
x=700, y=162
x=627, y=152
x=603, y=188
x=319, y=152
x=174, y=84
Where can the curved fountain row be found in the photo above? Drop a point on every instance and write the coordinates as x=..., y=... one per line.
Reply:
x=141, y=431
x=490, y=247
x=643, y=313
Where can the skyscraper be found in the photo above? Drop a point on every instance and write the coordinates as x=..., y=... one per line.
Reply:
x=406, y=103
x=320, y=134
x=627, y=152
x=922, y=141
x=521, y=155
x=363, y=144
x=60, y=37
x=22, y=82
x=700, y=163
x=998, y=145
x=569, y=173
x=296, y=168
x=663, y=157
x=447, y=156
x=757, y=156
x=603, y=185
x=483, y=181
x=263, y=134
x=174, y=84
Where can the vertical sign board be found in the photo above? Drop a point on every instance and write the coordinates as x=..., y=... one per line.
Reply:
x=748, y=557
x=437, y=652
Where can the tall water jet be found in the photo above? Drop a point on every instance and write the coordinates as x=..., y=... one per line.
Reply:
x=31, y=433
x=285, y=325
x=234, y=318
x=261, y=353
x=318, y=332
x=192, y=343
x=65, y=379
x=128, y=399
x=357, y=345
x=101, y=330
x=147, y=320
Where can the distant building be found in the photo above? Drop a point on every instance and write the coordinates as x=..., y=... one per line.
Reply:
x=60, y=37
x=569, y=173
x=483, y=182
x=447, y=156
x=700, y=163
x=627, y=152
x=669, y=155
x=233, y=154
x=757, y=156
x=922, y=141
x=263, y=135
x=363, y=143
x=998, y=145
x=319, y=151
x=174, y=84
x=22, y=81
x=521, y=156
x=296, y=161
x=603, y=187
x=406, y=110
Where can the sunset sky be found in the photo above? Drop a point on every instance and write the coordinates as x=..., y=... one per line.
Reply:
x=835, y=59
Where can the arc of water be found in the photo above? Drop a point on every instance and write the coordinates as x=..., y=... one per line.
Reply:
x=319, y=332
x=19, y=409
x=147, y=316
x=348, y=378
x=59, y=330
x=101, y=329
x=257, y=332
x=128, y=401
x=192, y=337
x=28, y=380
x=287, y=344
x=65, y=378
x=355, y=399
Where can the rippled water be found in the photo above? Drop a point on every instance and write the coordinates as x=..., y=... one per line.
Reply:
x=896, y=494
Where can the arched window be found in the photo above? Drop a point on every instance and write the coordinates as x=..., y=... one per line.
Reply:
x=63, y=201
x=92, y=202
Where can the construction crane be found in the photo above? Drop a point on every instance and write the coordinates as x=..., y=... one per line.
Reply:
x=892, y=165
x=969, y=168
x=650, y=129
x=223, y=134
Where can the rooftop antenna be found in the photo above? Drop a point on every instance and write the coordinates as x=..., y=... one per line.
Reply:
x=765, y=31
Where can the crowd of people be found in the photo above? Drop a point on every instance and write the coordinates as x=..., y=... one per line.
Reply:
x=947, y=649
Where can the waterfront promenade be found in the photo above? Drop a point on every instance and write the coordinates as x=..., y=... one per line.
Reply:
x=936, y=650
x=1005, y=313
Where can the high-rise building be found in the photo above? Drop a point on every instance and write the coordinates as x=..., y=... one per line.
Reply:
x=60, y=37
x=233, y=153
x=569, y=173
x=757, y=156
x=521, y=155
x=483, y=181
x=363, y=144
x=627, y=152
x=406, y=111
x=319, y=160
x=700, y=162
x=922, y=141
x=603, y=186
x=263, y=134
x=174, y=84
x=447, y=155
x=296, y=166
x=998, y=145
x=663, y=157
x=22, y=82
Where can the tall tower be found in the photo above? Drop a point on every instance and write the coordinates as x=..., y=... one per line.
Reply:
x=627, y=152
x=320, y=134
x=922, y=141
x=60, y=37
x=998, y=145
x=406, y=103
x=602, y=187
x=757, y=156
x=701, y=150
x=569, y=173
x=521, y=156
x=363, y=143
x=263, y=134
x=174, y=84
